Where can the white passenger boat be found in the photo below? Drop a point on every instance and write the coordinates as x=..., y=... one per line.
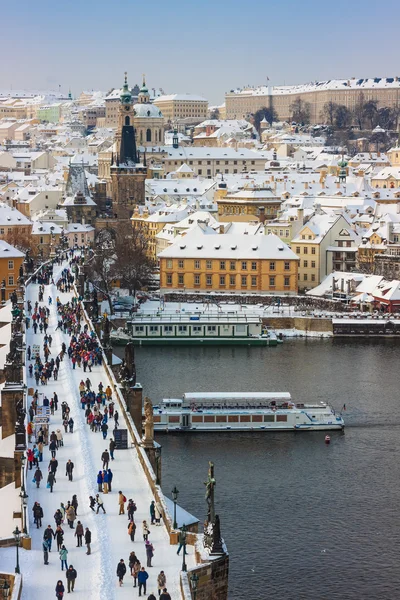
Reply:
x=251, y=411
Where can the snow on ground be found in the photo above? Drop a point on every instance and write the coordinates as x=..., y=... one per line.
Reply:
x=110, y=540
x=9, y=497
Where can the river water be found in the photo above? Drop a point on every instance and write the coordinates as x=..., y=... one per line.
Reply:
x=301, y=519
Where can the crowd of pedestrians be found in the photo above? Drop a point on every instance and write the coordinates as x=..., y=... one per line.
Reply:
x=48, y=455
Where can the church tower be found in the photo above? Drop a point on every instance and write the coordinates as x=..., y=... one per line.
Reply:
x=127, y=173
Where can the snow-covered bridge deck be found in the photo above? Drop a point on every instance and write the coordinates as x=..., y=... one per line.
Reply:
x=110, y=540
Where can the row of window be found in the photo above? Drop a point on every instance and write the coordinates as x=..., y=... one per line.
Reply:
x=217, y=162
x=232, y=265
x=223, y=279
x=242, y=210
x=305, y=264
x=305, y=250
x=305, y=277
x=282, y=232
x=228, y=418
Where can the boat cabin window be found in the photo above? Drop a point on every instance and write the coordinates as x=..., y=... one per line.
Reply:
x=241, y=328
x=153, y=327
x=196, y=328
x=269, y=418
x=281, y=418
x=211, y=328
x=139, y=328
x=168, y=328
x=182, y=328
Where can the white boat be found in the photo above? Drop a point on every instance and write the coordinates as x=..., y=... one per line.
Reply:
x=119, y=337
x=237, y=411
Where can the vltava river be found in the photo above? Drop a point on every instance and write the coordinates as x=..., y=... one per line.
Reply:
x=301, y=520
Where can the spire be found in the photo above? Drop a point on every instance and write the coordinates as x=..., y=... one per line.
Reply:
x=126, y=96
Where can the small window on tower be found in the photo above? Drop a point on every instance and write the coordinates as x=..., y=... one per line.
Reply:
x=127, y=121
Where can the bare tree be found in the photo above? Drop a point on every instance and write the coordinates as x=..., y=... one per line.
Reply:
x=343, y=116
x=102, y=271
x=300, y=111
x=133, y=264
x=328, y=112
x=358, y=111
x=269, y=114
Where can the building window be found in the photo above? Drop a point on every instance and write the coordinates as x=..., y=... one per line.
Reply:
x=222, y=265
x=286, y=281
x=272, y=281
x=232, y=265
x=253, y=281
x=209, y=264
x=10, y=264
x=313, y=264
x=2, y=231
x=232, y=280
x=10, y=280
x=244, y=265
x=244, y=280
x=209, y=280
x=148, y=135
x=254, y=265
x=305, y=264
x=169, y=264
x=197, y=280
x=312, y=277
x=297, y=249
x=200, y=172
x=312, y=250
x=305, y=277
x=222, y=280
x=305, y=250
x=287, y=266
x=169, y=278
x=272, y=266
x=197, y=264
x=180, y=279
x=180, y=264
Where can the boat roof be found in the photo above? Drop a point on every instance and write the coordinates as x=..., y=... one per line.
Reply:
x=212, y=396
x=194, y=319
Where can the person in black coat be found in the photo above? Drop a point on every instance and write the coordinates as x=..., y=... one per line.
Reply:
x=69, y=467
x=88, y=539
x=60, y=589
x=121, y=570
x=37, y=514
x=71, y=575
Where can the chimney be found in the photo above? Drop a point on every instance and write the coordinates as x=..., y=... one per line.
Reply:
x=261, y=214
x=300, y=215
x=222, y=229
x=306, y=185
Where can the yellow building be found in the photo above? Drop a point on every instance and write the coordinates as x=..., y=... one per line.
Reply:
x=229, y=263
x=11, y=260
x=248, y=204
x=182, y=106
x=152, y=224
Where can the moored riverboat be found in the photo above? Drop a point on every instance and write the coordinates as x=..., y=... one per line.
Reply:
x=195, y=329
x=250, y=411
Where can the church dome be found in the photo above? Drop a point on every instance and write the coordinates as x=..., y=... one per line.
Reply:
x=147, y=110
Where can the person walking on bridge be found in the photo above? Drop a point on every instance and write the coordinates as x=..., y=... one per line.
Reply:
x=121, y=502
x=105, y=457
x=121, y=571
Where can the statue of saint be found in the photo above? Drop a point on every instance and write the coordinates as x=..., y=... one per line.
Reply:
x=148, y=437
x=210, y=485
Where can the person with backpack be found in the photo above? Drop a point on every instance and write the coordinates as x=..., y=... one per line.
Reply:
x=79, y=534
x=50, y=480
x=37, y=477
x=131, y=508
x=132, y=530
x=121, y=502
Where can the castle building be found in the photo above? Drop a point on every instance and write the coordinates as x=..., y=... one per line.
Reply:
x=127, y=173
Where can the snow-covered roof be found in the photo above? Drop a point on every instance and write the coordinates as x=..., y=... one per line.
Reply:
x=226, y=246
x=181, y=97
x=143, y=109
x=11, y=216
x=8, y=251
x=316, y=86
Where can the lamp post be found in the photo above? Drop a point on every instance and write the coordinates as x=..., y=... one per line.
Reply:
x=24, y=499
x=175, y=493
x=17, y=537
x=5, y=589
x=194, y=580
x=183, y=534
x=157, y=453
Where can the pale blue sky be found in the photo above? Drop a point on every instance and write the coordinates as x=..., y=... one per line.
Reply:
x=197, y=47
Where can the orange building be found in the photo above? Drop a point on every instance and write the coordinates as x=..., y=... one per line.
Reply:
x=11, y=260
x=229, y=263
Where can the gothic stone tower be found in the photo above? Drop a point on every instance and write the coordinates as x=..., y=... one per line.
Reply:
x=127, y=174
